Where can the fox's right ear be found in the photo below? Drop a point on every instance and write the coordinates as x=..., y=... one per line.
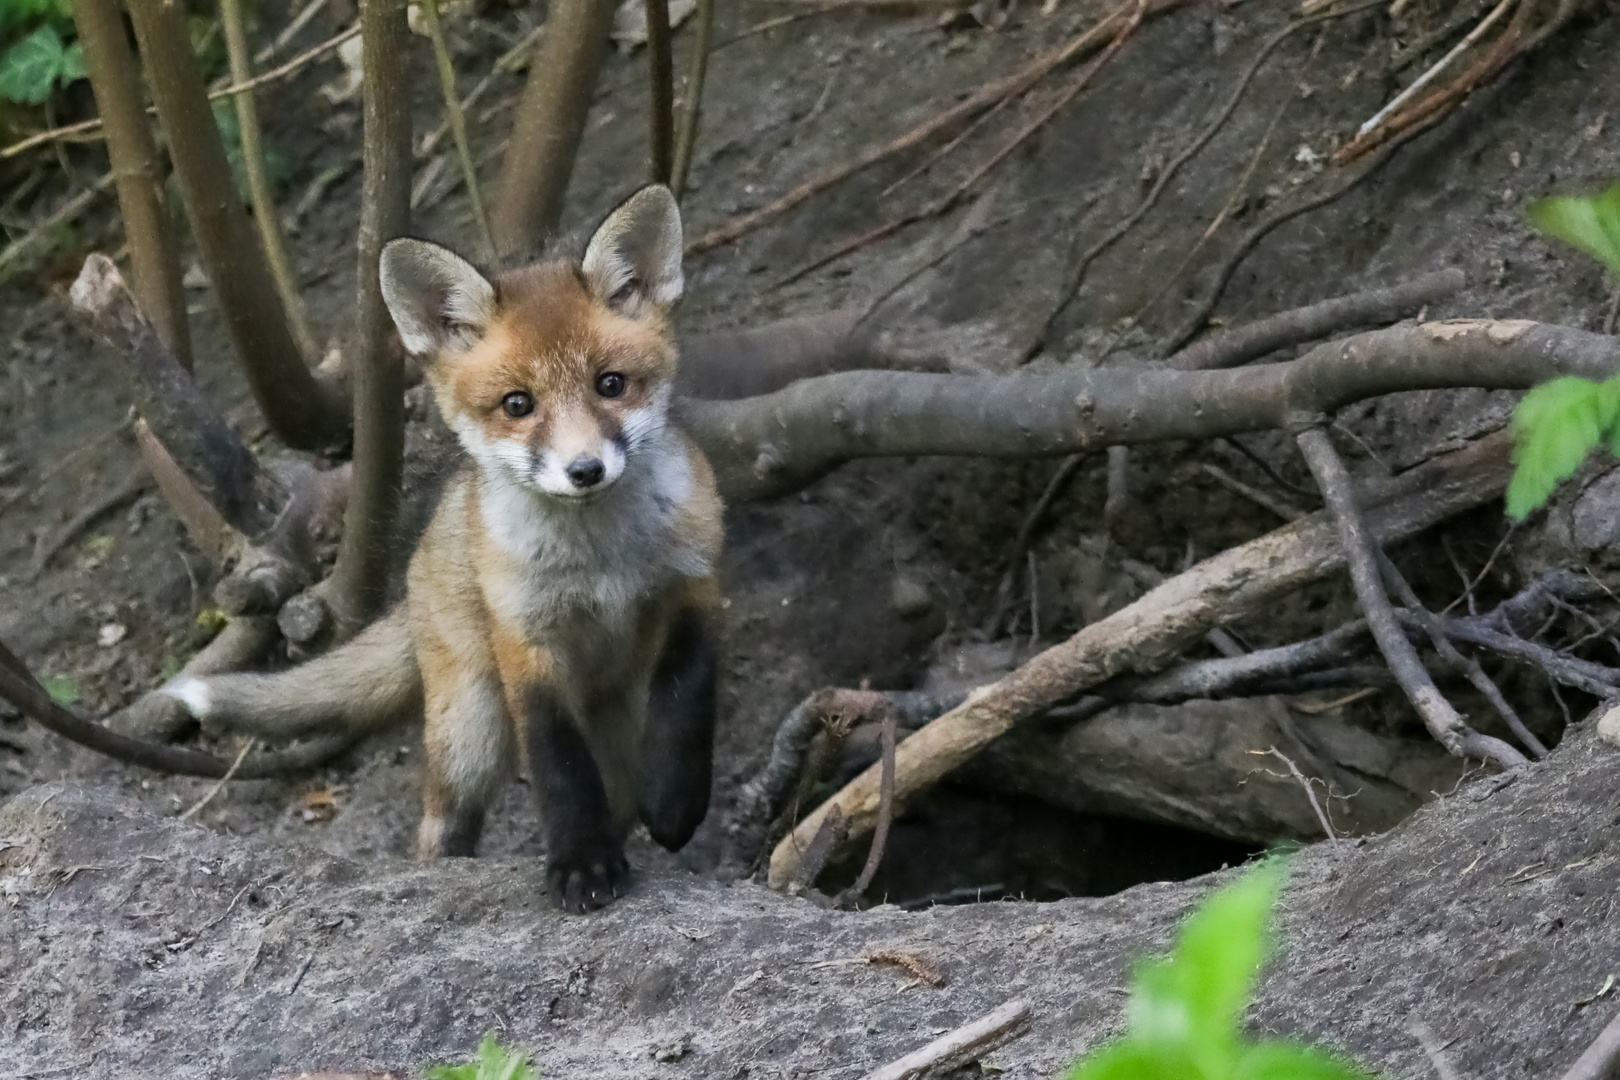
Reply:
x=437, y=298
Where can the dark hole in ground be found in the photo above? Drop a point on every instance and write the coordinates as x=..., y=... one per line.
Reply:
x=958, y=846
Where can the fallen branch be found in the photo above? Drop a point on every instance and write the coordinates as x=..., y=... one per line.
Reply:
x=1146, y=633
x=1571, y=671
x=885, y=814
x=219, y=786
x=1442, y=720
x=961, y=1047
x=1111, y=26
x=1263, y=336
x=778, y=442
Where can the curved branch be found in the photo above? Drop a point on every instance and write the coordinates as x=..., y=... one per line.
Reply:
x=775, y=443
x=20, y=688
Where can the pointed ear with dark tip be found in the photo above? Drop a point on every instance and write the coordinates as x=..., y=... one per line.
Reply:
x=437, y=298
x=633, y=262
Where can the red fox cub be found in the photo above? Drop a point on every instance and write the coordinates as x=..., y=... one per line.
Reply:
x=559, y=605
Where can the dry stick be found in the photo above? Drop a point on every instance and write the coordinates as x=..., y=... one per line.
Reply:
x=1111, y=26
x=90, y=127
x=1429, y=76
x=944, y=204
x=661, y=83
x=960, y=1047
x=65, y=213
x=219, y=785
x=1597, y=1062
x=508, y=61
x=355, y=590
x=697, y=77
x=1467, y=666
x=133, y=485
x=550, y=122
x=1443, y=721
x=1580, y=674
x=1263, y=336
x=1229, y=586
x=880, y=832
x=282, y=267
x=1077, y=273
x=457, y=120
x=780, y=441
x=154, y=262
x=303, y=413
x=1283, y=509
x=20, y=688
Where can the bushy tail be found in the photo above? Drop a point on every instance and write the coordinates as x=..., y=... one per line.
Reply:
x=367, y=684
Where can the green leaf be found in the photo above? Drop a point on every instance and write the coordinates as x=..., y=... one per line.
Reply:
x=1591, y=224
x=73, y=64
x=494, y=1062
x=1291, y=1061
x=64, y=689
x=1556, y=425
x=1135, y=1060
x=29, y=69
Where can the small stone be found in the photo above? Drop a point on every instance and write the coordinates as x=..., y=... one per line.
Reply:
x=909, y=597
x=111, y=634
x=672, y=1052
x=1608, y=727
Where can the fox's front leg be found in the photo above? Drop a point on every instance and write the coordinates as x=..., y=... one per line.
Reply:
x=585, y=864
x=677, y=744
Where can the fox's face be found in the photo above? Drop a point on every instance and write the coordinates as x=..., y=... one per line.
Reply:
x=556, y=376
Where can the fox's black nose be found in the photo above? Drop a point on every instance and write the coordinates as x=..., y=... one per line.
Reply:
x=584, y=472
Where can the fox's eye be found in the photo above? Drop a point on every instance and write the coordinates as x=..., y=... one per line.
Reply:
x=610, y=384
x=517, y=404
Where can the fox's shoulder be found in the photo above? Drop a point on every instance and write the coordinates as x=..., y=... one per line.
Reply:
x=698, y=521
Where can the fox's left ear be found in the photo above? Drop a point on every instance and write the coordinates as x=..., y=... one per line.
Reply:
x=633, y=261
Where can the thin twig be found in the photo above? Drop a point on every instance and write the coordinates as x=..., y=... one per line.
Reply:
x=89, y=127
x=1285, y=510
x=1442, y=720
x=1468, y=667
x=880, y=833
x=696, y=79
x=1480, y=577
x=457, y=120
x=63, y=214
x=1310, y=793
x=301, y=20
x=960, y=1047
x=1444, y=62
x=219, y=785
x=661, y=82
x=1435, y=1050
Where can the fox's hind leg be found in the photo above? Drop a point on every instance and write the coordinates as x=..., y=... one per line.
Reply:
x=469, y=750
x=677, y=743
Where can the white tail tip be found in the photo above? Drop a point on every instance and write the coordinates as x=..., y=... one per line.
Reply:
x=192, y=693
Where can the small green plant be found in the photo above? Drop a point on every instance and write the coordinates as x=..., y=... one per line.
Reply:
x=1184, y=1019
x=37, y=51
x=494, y=1062
x=1560, y=422
x=64, y=689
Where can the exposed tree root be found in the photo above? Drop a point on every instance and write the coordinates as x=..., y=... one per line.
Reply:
x=778, y=442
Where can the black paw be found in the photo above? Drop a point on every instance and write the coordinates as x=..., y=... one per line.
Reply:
x=588, y=879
